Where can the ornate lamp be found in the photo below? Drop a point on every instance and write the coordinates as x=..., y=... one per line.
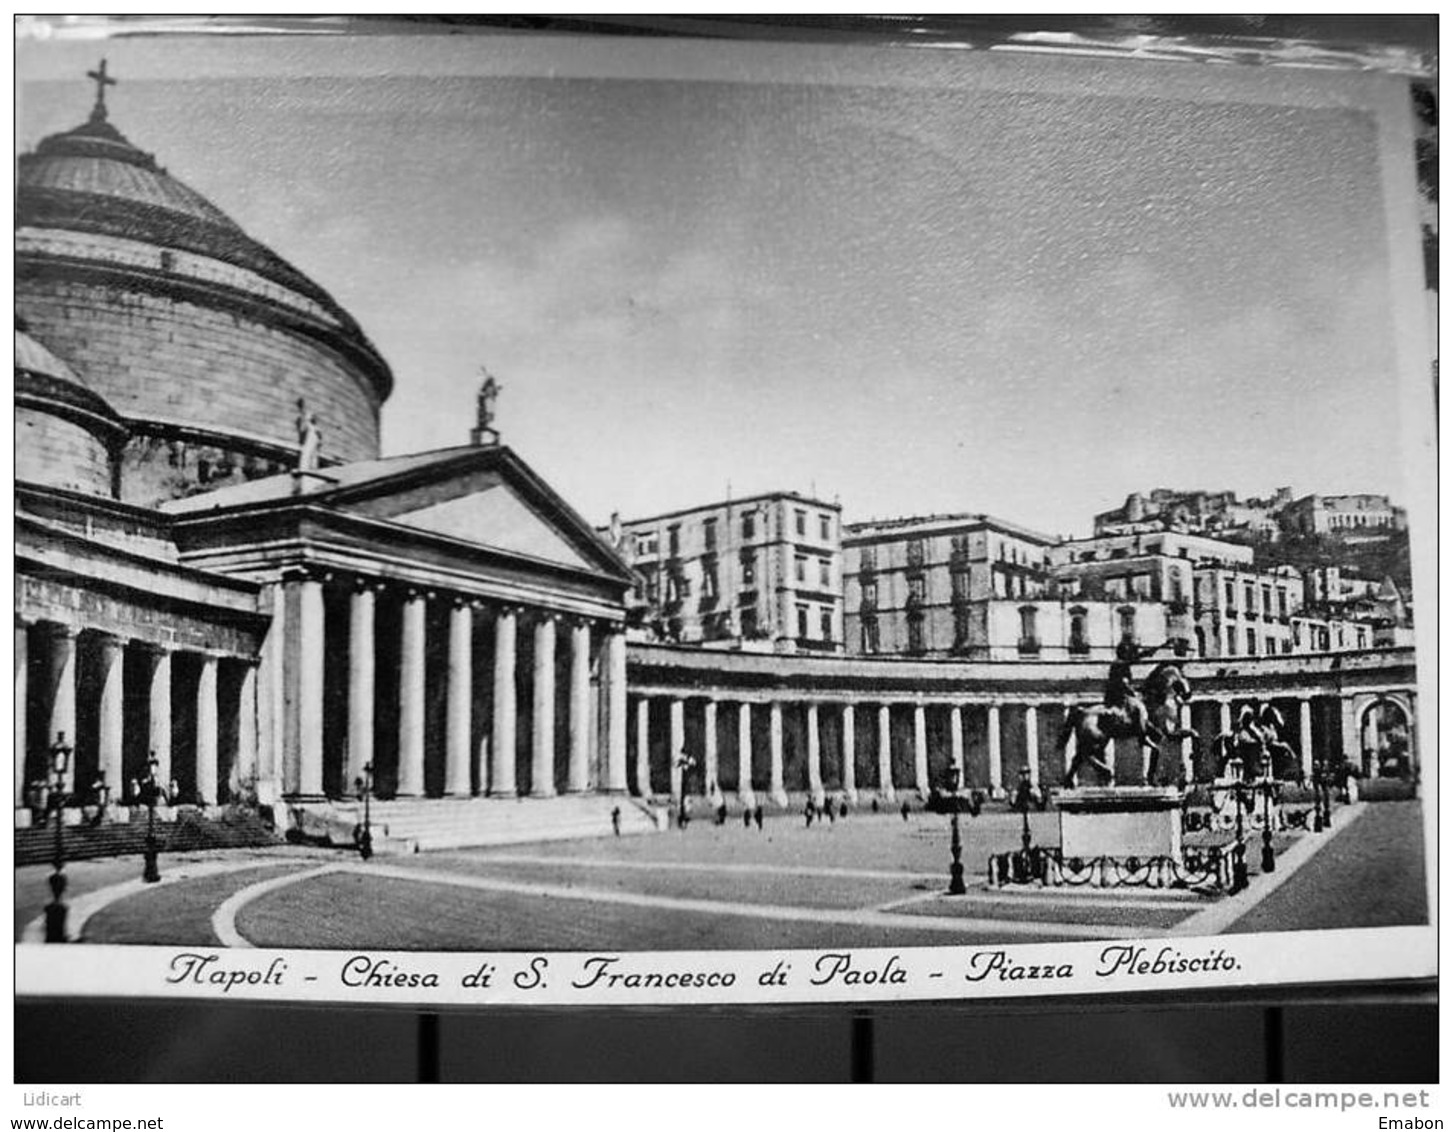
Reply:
x=150, y=790
x=56, y=910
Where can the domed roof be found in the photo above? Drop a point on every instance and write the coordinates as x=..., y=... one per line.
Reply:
x=43, y=381
x=95, y=158
x=33, y=358
x=92, y=179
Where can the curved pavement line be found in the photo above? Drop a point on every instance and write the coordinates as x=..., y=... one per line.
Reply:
x=856, y=917
x=82, y=908
x=1220, y=916
x=224, y=918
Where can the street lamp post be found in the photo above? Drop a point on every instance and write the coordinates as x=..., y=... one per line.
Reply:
x=364, y=785
x=1239, y=879
x=1269, y=792
x=956, y=849
x=55, y=911
x=150, y=788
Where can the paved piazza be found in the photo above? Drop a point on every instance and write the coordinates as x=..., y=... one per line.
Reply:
x=867, y=880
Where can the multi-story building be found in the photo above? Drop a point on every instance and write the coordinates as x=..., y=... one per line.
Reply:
x=975, y=586
x=1157, y=566
x=1359, y=516
x=1242, y=611
x=760, y=572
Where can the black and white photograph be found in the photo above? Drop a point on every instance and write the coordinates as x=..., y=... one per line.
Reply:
x=572, y=521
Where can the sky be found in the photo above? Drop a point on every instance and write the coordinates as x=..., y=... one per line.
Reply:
x=1020, y=299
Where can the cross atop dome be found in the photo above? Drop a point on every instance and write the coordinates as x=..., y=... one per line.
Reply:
x=102, y=80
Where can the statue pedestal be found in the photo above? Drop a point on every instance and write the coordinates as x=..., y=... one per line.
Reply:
x=1120, y=821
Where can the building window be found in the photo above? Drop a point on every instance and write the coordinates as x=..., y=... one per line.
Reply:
x=749, y=569
x=868, y=558
x=915, y=591
x=708, y=585
x=1230, y=594
x=1281, y=601
x=708, y=531
x=1079, y=639
x=1001, y=587
x=1127, y=623
x=648, y=544
x=1249, y=594
x=801, y=562
x=1028, y=629
x=915, y=634
x=959, y=580
x=915, y=552
x=824, y=573
x=870, y=634
x=870, y=595
x=824, y=527
x=802, y=621
x=749, y=525
x=1250, y=642
x=673, y=540
x=827, y=633
x=1230, y=640
x=961, y=627
x=749, y=621
x=801, y=519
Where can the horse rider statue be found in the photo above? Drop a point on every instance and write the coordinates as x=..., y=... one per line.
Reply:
x=1147, y=713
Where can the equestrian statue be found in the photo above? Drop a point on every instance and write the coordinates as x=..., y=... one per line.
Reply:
x=1257, y=746
x=1150, y=714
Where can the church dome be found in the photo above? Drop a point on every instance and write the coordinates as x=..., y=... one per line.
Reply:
x=202, y=339
x=65, y=434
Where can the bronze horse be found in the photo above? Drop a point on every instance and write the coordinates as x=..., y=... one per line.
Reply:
x=1258, y=746
x=1152, y=719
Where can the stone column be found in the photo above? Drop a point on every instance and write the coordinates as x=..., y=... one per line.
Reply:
x=1031, y=742
x=920, y=751
x=774, y=733
x=542, y=735
x=814, y=757
x=111, y=715
x=1185, y=747
x=956, y=742
x=411, y=695
x=159, y=714
x=306, y=652
x=246, y=770
x=996, y=757
x=1304, y=736
x=361, y=620
x=458, y=752
x=615, y=713
x=711, y=764
x=1223, y=716
x=850, y=742
x=502, y=728
x=207, y=731
x=885, y=753
x=745, y=792
x=677, y=745
x=22, y=679
x=643, y=747
x=62, y=721
x=1351, y=733
x=579, y=776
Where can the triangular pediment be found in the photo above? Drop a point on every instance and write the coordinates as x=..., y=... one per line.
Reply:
x=500, y=507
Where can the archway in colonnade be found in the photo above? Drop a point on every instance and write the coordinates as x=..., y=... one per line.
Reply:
x=1385, y=730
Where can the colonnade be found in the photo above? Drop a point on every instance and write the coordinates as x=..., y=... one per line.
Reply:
x=884, y=747
x=482, y=680
x=113, y=726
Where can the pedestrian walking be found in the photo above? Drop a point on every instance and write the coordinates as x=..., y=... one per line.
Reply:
x=808, y=812
x=757, y=815
x=904, y=811
x=615, y=820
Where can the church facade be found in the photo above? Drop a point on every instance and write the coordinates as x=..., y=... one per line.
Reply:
x=262, y=606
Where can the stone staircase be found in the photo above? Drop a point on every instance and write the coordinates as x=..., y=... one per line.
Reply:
x=417, y=825
x=185, y=831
